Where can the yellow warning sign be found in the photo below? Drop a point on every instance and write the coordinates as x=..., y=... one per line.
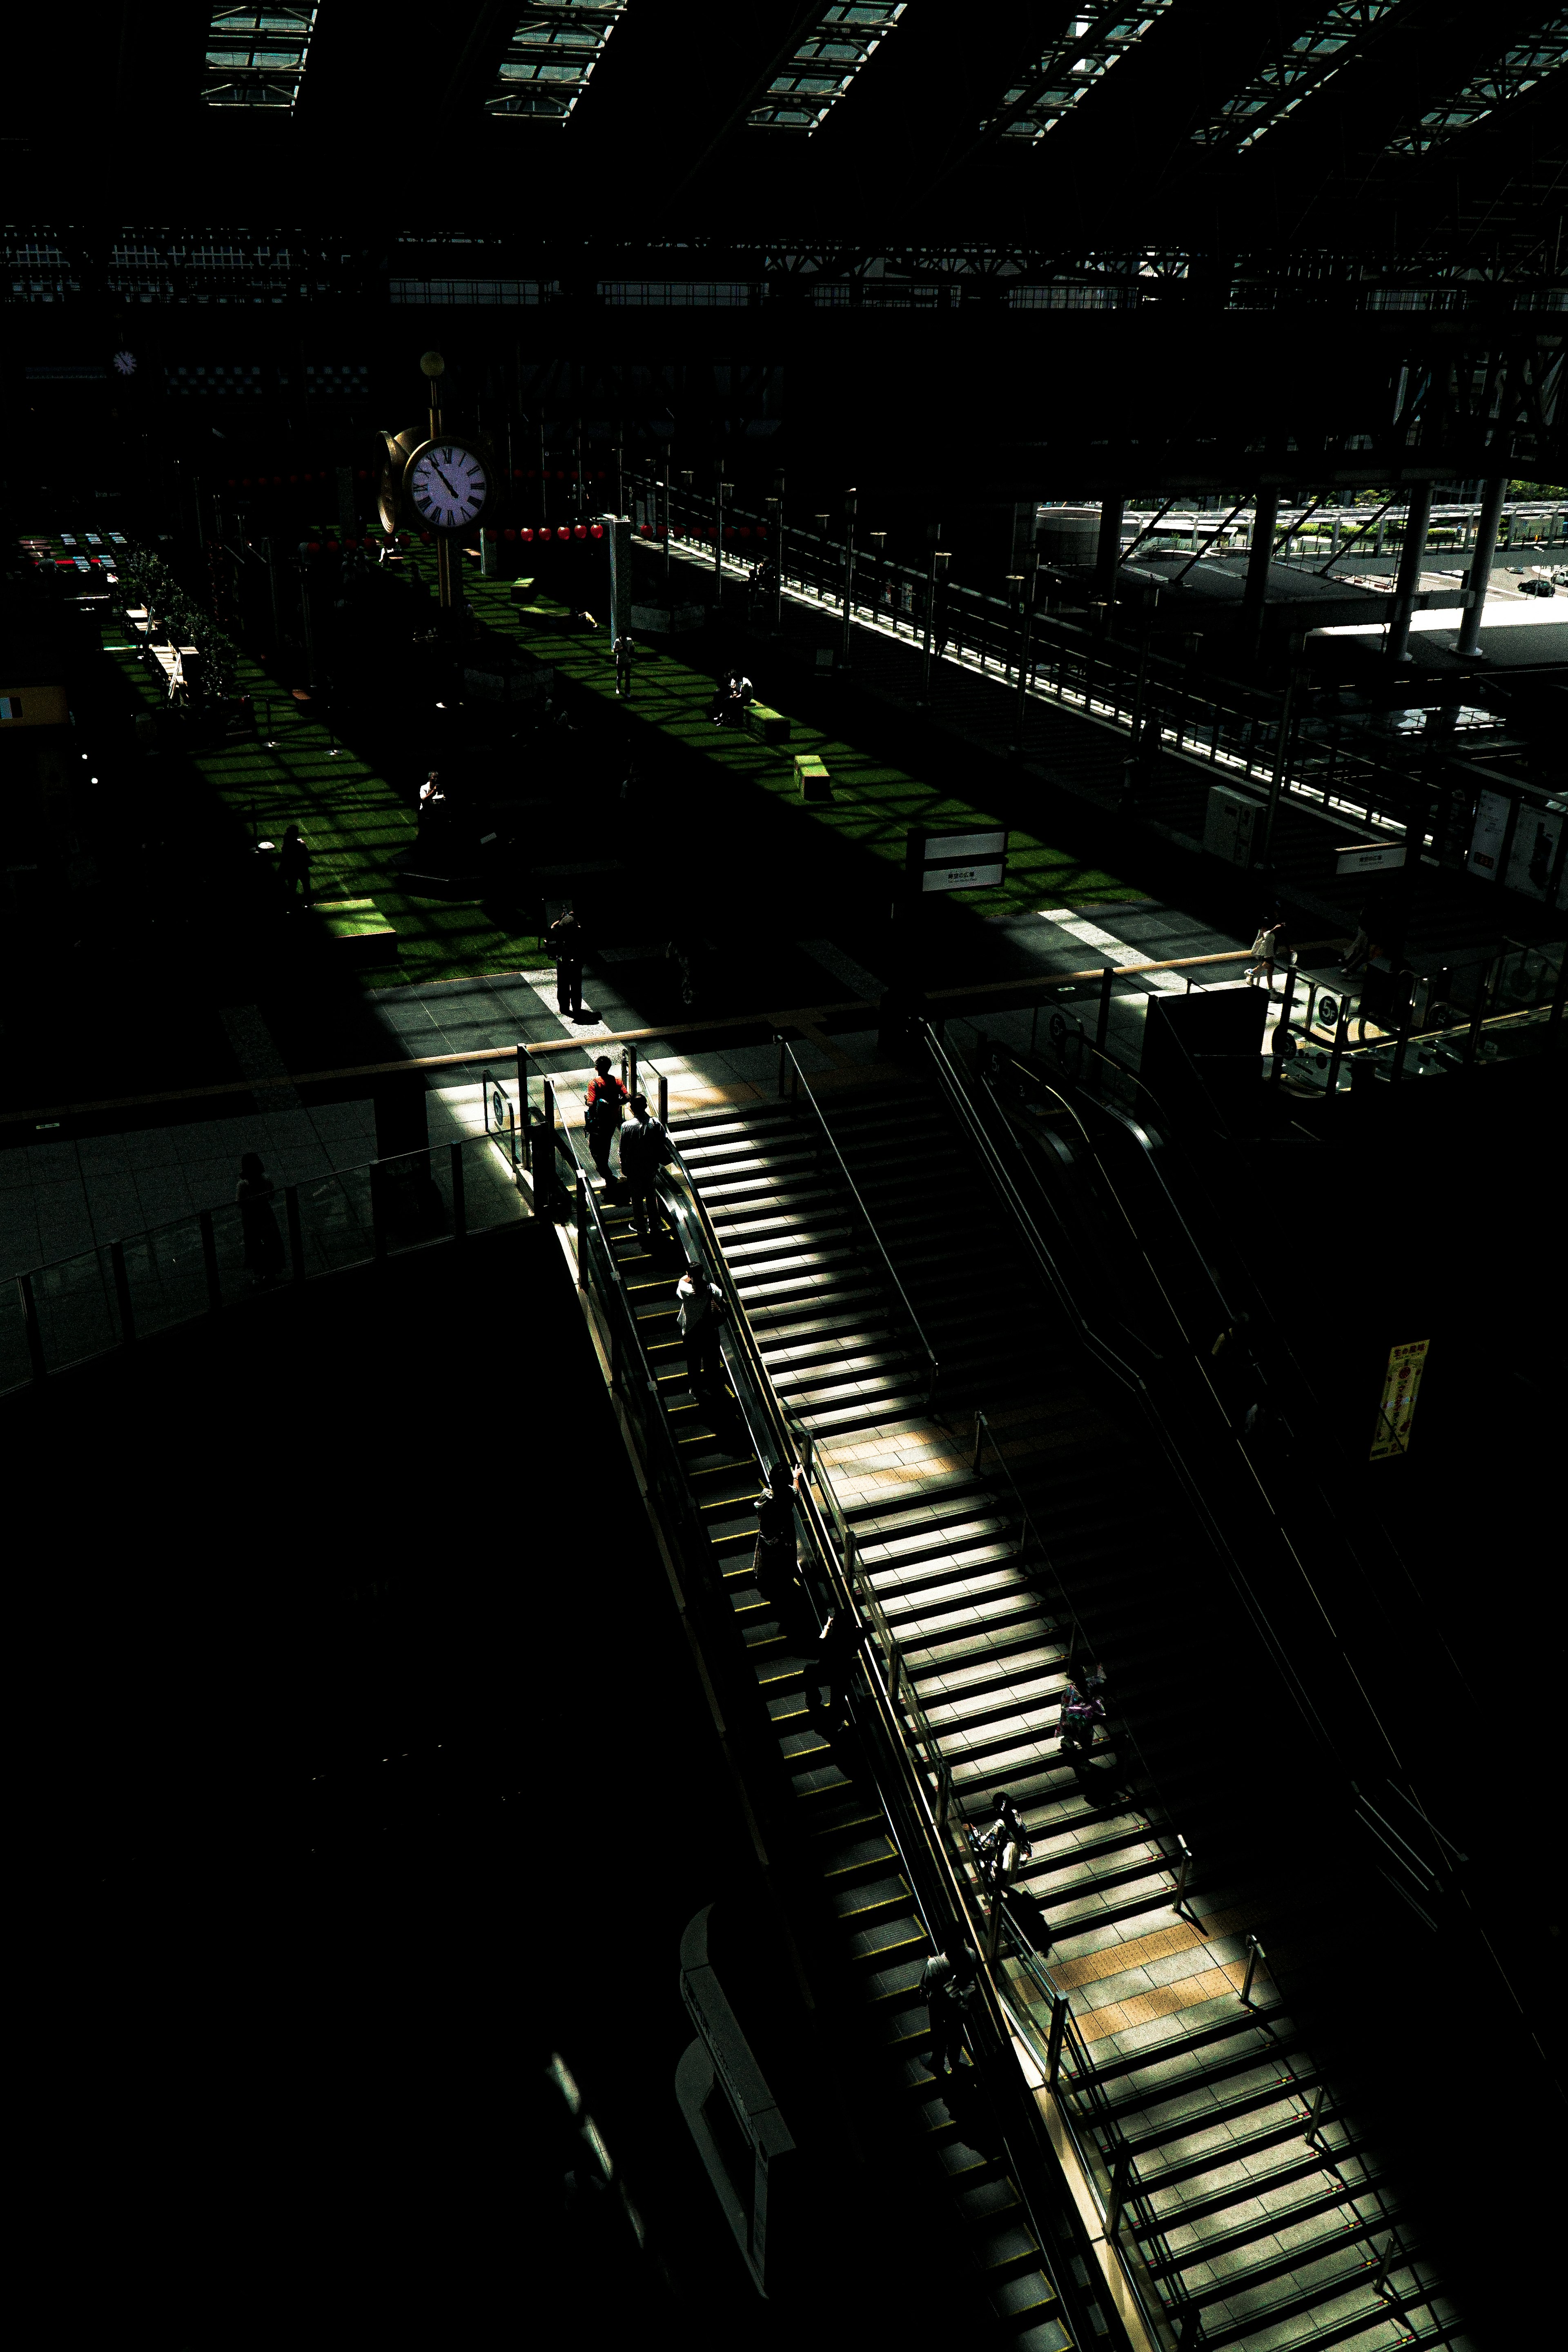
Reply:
x=1396, y=1406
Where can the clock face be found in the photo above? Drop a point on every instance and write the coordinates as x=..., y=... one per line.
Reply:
x=448, y=485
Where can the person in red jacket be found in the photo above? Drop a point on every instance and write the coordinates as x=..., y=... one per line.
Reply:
x=606, y=1104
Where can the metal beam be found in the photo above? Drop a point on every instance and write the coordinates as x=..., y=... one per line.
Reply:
x=1481, y=567
x=1418, y=515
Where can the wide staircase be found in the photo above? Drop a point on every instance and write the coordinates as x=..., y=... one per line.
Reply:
x=1258, y=2211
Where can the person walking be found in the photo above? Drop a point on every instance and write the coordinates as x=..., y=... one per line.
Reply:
x=1266, y=948
x=626, y=654
x=1083, y=1709
x=700, y=1317
x=774, y=1562
x=948, y=1982
x=566, y=947
x=645, y=1148
x=294, y=866
x=258, y=1225
x=604, y=1105
x=1002, y=1847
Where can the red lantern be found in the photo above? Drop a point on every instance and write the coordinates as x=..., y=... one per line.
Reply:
x=661, y=532
x=596, y=530
x=364, y=473
x=560, y=475
x=509, y=532
x=600, y=474
x=561, y=531
x=312, y=547
x=526, y=534
x=424, y=539
x=642, y=531
x=580, y=530
x=532, y=474
x=232, y=483
x=745, y=531
x=516, y=473
x=293, y=477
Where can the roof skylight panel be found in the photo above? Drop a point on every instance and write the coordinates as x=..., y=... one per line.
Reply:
x=823, y=68
x=257, y=57
x=1303, y=66
x=1094, y=42
x=551, y=57
x=1517, y=70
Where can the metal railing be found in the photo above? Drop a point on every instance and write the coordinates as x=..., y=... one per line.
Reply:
x=789, y=1062
x=124, y=1291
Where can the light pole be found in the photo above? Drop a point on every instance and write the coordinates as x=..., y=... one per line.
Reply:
x=822, y=521
x=936, y=569
x=776, y=504
x=721, y=487
x=1026, y=589
x=876, y=541
x=851, y=502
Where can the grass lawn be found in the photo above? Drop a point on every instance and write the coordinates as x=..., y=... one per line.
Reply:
x=356, y=823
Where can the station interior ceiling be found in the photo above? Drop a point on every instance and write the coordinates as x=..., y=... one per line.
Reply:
x=1375, y=125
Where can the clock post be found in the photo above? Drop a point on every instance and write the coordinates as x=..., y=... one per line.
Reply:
x=434, y=367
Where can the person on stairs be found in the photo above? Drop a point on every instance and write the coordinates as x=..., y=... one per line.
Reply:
x=645, y=1148
x=1083, y=1709
x=1002, y=1847
x=948, y=1982
x=700, y=1317
x=605, y=1104
x=774, y=1563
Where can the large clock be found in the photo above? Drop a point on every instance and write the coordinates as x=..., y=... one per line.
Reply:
x=448, y=484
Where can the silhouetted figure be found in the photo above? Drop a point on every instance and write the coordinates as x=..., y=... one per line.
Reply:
x=258, y=1226
x=605, y=1105
x=645, y=1148
x=1082, y=1709
x=948, y=1981
x=294, y=866
x=774, y=1562
x=837, y=1645
x=566, y=947
x=625, y=654
x=700, y=1316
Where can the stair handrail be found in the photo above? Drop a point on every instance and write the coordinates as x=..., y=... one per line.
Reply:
x=786, y=1051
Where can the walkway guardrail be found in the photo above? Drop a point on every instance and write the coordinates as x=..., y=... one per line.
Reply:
x=125, y=1291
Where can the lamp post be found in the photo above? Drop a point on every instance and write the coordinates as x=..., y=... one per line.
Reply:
x=721, y=489
x=1025, y=596
x=851, y=502
x=876, y=541
x=822, y=521
x=777, y=504
x=936, y=569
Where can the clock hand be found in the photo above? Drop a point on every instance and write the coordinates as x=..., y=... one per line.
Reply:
x=434, y=469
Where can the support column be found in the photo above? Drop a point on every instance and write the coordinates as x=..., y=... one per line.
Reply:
x=1108, y=554
x=1265, y=517
x=1480, y=570
x=1417, y=515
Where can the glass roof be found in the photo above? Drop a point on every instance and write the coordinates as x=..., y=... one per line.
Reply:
x=1291, y=75
x=826, y=63
x=550, y=57
x=1517, y=70
x=1096, y=40
x=257, y=57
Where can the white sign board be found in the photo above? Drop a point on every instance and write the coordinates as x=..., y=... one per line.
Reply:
x=975, y=876
x=1487, y=837
x=956, y=849
x=958, y=861
x=1370, y=857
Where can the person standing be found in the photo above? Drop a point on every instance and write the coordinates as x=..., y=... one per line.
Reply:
x=626, y=654
x=258, y=1225
x=700, y=1316
x=566, y=947
x=645, y=1148
x=838, y=1644
x=774, y=1562
x=294, y=866
x=605, y=1104
x=948, y=1981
